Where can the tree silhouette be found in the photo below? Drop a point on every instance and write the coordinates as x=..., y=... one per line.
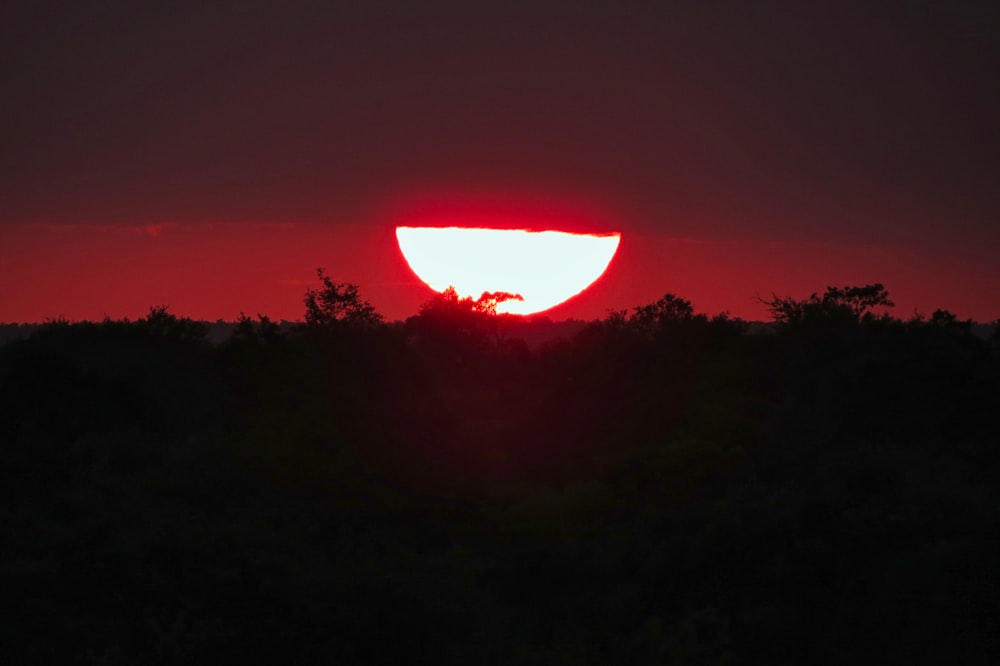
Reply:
x=488, y=302
x=338, y=304
x=847, y=304
x=463, y=320
x=161, y=323
x=669, y=315
x=496, y=323
x=948, y=320
x=669, y=308
x=263, y=330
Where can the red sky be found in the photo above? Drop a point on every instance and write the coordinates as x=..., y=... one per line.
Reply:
x=211, y=156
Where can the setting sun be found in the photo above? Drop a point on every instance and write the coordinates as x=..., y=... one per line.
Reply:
x=546, y=268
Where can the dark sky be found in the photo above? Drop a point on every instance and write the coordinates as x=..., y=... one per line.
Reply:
x=836, y=139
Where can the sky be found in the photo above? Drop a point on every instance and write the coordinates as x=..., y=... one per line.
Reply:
x=209, y=156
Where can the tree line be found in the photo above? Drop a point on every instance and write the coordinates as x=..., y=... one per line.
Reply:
x=655, y=486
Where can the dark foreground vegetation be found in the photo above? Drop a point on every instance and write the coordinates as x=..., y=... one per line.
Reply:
x=658, y=488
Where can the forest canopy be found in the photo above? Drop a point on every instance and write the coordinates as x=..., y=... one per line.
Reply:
x=656, y=486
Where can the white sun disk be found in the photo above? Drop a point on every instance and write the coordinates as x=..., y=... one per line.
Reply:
x=545, y=267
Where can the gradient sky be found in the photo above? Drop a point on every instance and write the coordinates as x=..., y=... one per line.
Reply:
x=210, y=156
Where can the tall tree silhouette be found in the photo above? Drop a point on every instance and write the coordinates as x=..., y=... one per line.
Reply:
x=337, y=304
